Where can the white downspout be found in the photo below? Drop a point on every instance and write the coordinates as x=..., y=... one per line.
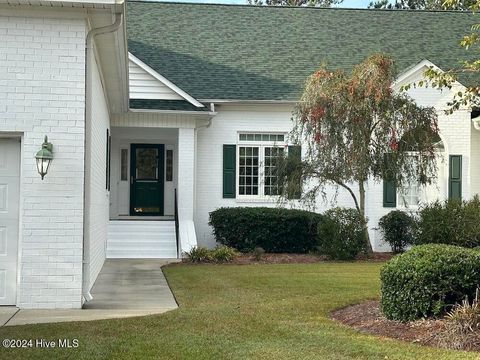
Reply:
x=212, y=114
x=87, y=119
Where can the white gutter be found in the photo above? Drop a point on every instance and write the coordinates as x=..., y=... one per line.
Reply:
x=239, y=101
x=476, y=123
x=87, y=119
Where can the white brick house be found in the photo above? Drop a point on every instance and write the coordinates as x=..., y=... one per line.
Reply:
x=135, y=119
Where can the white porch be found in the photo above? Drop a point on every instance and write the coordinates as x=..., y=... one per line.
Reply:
x=144, y=221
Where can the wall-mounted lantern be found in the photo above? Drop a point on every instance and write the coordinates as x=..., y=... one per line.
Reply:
x=44, y=157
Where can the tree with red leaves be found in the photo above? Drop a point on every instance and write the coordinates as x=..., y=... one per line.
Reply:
x=356, y=128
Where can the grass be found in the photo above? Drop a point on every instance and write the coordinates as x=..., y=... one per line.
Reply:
x=238, y=312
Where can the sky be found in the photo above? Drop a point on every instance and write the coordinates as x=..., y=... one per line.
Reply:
x=345, y=3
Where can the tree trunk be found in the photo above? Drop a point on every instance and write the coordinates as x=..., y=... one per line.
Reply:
x=361, y=188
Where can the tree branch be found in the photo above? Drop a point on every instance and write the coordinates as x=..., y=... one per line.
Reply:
x=340, y=183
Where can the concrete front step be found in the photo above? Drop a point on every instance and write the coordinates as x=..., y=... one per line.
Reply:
x=138, y=239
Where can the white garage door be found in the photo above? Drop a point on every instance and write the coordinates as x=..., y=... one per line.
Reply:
x=9, y=211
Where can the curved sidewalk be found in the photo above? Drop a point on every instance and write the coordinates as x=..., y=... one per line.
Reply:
x=124, y=288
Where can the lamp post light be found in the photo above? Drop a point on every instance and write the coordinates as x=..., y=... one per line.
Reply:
x=44, y=157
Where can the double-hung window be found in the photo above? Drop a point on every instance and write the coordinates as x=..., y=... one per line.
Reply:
x=256, y=166
x=409, y=194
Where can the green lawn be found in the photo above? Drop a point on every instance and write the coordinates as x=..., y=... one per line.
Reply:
x=239, y=312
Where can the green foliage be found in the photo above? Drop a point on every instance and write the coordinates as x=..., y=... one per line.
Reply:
x=275, y=230
x=428, y=280
x=419, y=5
x=224, y=254
x=452, y=222
x=198, y=254
x=341, y=234
x=220, y=254
x=397, y=230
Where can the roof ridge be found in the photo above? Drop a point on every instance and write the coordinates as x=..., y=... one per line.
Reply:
x=318, y=8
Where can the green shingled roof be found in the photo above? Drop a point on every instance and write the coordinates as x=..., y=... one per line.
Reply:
x=265, y=53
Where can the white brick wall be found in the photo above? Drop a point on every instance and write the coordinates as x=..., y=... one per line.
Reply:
x=42, y=93
x=97, y=200
x=475, y=162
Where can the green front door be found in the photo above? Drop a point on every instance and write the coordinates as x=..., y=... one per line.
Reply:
x=146, y=179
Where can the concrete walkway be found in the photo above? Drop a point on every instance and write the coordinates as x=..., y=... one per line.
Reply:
x=124, y=288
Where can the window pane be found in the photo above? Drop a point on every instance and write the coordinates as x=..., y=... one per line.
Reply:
x=248, y=170
x=169, y=166
x=262, y=137
x=271, y=180
x=124, y=164
x=409, y=194
x=147, y=163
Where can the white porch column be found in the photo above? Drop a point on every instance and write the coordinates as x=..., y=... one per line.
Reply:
x=186, y=188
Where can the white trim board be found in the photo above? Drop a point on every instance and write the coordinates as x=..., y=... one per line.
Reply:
x=160, y=88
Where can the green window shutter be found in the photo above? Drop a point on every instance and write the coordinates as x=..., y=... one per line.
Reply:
x=455, y=177
x=295, y=154
x=229, y=170
x=389, y=193
x=389, y=187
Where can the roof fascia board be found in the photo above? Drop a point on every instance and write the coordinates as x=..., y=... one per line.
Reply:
x=415, y=68
x=240, y=101
x=165, y=81
x=178, y=112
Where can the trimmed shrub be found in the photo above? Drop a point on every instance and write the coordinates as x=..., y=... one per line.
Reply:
x=341, y=235
x=219, y=254
x=428, y=280
x=275, y=230
x=397, y=230
x=452, y=222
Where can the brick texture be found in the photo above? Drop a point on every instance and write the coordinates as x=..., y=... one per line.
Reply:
x=42, y=93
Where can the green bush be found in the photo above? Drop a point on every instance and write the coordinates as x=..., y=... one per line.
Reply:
x=428, y=280
x=198, y=254
x=397, y=230
x=341, y=234
x=275, y=230
x=219, y=254
x=224, y=254
x=452, y=222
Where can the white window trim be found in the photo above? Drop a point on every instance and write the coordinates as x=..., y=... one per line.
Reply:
x=260, y=197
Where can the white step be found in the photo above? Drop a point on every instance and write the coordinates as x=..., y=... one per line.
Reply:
x=139, y=239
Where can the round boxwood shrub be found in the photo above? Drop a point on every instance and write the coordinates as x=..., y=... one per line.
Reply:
x=397, y=230
x=453, y=222
x=341, y=234
x=427, y=280
x=275, y=230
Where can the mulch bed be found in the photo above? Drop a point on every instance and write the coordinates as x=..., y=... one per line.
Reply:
x=270, y=258
x=367, y=317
